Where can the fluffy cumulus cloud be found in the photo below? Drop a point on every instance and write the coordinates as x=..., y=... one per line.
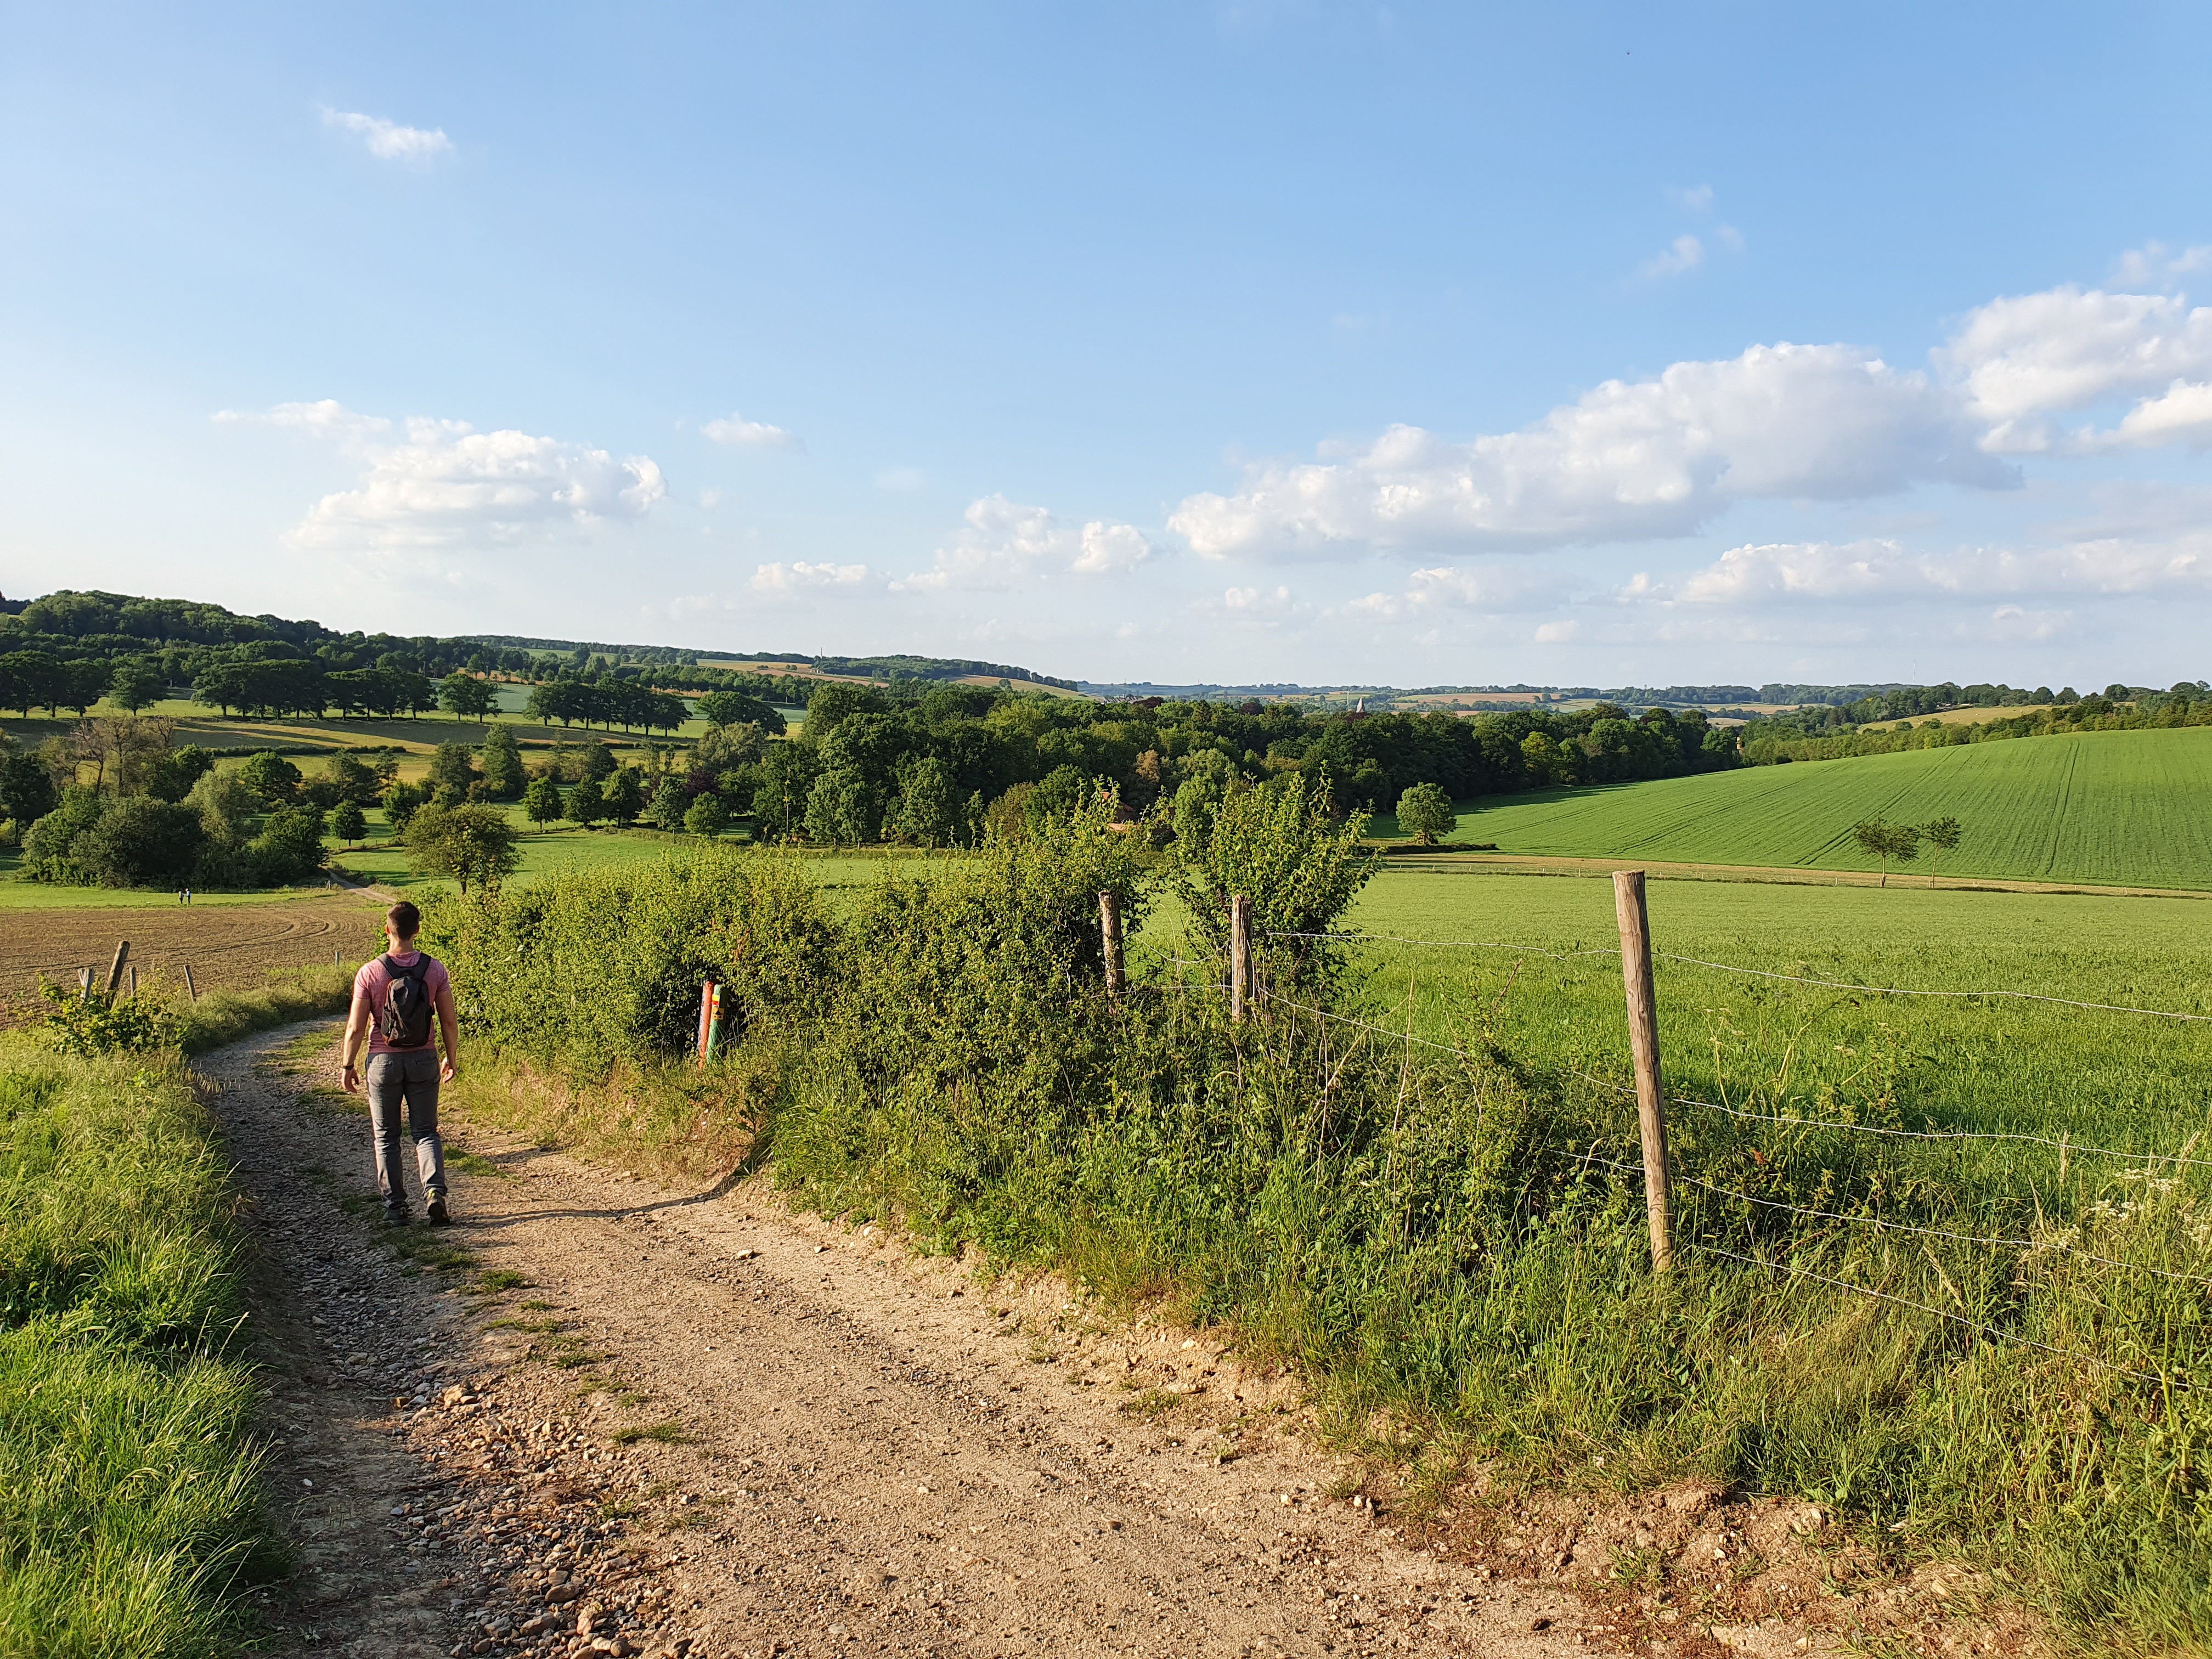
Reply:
x=439, y=485
x=751, y=434
x=1489, y=590
x=1002, y=544
x=1632, y=460
x=387, y=140
x=782, y=579
x=2022, y=359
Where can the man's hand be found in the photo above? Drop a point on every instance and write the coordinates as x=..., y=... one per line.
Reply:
x=352, y=1078
x=448, y=1071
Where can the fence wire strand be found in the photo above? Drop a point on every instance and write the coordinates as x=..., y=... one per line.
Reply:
x=1753, y=973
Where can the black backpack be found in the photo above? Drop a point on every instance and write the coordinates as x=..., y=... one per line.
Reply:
x=405, y=1021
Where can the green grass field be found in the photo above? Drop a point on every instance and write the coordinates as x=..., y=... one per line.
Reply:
x=2118, y=808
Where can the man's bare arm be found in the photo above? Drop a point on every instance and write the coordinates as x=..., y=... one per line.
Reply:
x=356, y=1030
x=447, y=1028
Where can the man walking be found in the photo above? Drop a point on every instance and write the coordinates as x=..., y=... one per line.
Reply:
x=393, y=999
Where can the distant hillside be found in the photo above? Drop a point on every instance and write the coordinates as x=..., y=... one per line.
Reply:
x=2130, y=808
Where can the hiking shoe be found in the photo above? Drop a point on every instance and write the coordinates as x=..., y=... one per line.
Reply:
x=395, y=1215
x=438, y=1216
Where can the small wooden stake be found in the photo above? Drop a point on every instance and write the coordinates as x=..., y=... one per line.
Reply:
x=115, y=969
x=134, y=979
x=1240, y=955
x=1644, y=1045
x=84, y=984
x=191, y=993
x=1110, y=936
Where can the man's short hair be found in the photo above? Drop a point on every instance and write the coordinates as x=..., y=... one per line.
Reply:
x=406, y=920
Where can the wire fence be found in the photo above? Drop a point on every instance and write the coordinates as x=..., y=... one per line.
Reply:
x=2056, y=1245
x=1753, y=973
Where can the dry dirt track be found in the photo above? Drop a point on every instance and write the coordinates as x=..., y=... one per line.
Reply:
x=862, y=1453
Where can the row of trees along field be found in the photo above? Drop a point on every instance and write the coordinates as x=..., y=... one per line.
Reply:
x=1835, y=733
x=68, y=651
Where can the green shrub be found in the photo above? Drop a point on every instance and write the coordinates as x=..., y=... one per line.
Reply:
x=77, y=1024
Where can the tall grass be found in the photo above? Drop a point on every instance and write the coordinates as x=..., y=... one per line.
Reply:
x=129, y=1503
x=1440, y=1239
x=222, y=1017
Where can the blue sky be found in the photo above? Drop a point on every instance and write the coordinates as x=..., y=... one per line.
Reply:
x=1418, y=344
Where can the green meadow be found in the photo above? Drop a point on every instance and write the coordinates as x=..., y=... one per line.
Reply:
x=2116, y=808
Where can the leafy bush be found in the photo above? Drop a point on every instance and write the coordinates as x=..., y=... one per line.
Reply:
x=289, y=847
x=93, y=840
x=269, y=776
x=82, y=1025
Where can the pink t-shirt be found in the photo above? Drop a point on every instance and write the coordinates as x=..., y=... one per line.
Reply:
x=372, y=982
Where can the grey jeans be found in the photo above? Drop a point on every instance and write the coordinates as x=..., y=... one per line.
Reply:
x=411, y=1080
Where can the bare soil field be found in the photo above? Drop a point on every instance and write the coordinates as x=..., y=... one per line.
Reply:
x=600, y=1416
x=231, y=947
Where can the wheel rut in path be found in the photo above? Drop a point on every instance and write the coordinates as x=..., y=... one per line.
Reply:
x=638, y=1421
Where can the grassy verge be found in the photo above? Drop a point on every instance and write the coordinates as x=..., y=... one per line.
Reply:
x=130, y=1499
x=223, y=1017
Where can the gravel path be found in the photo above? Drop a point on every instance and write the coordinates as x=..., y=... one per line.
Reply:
x=638, y=1421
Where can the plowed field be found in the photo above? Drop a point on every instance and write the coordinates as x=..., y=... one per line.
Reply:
x=230, y=947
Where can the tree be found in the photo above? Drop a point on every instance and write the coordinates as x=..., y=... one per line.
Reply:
x=542, y=801
x=668, y=807
x=401, y=801
x=707, y=816
x=1942, y=834
x=452, y=767
x=465, y=696
x=599, y=761
x=289, y=847
x=474, y=845
x=1278, y=847
x=269, y=776
x=1885, y=841
x=624, y=794
x=584, y=805
x=171, y=775
x=734, y=707
x=26, y=788
x=924, y=815
x=788, y=778
x=840, y=809
x=138, y=842
x=348, y=822
x=500, y=759
x=134, y=684
x=1426, y=812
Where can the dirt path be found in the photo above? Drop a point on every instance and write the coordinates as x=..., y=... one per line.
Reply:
x=637, y=1420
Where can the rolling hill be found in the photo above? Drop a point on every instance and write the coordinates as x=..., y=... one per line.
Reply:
x=2122, y=808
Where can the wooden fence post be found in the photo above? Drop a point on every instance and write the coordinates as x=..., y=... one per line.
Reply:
x=115, y=969
x=1644, y=1045
x=1110, y=935
x=1240, y=955
x=191, y=993
x=84, y=985
x=134, y=979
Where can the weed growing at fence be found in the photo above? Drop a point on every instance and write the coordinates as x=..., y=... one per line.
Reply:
x=129, y=1500
x=1448, y=1232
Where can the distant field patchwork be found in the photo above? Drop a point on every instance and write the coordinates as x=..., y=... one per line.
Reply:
x=2121, y=808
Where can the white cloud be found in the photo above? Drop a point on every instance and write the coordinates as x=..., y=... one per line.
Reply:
x=1881, y=572
x=443, y=484
x=1630, y=461
x=2154, y=264
x=751, y=434
x=800, y=577
x=1685, y=253
x=387, y=140
x=1556, y=633
x=1001, y=543
x=1489, y=589
x=2023, y=358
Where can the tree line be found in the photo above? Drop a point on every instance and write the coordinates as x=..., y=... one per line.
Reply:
x=1799, y=737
